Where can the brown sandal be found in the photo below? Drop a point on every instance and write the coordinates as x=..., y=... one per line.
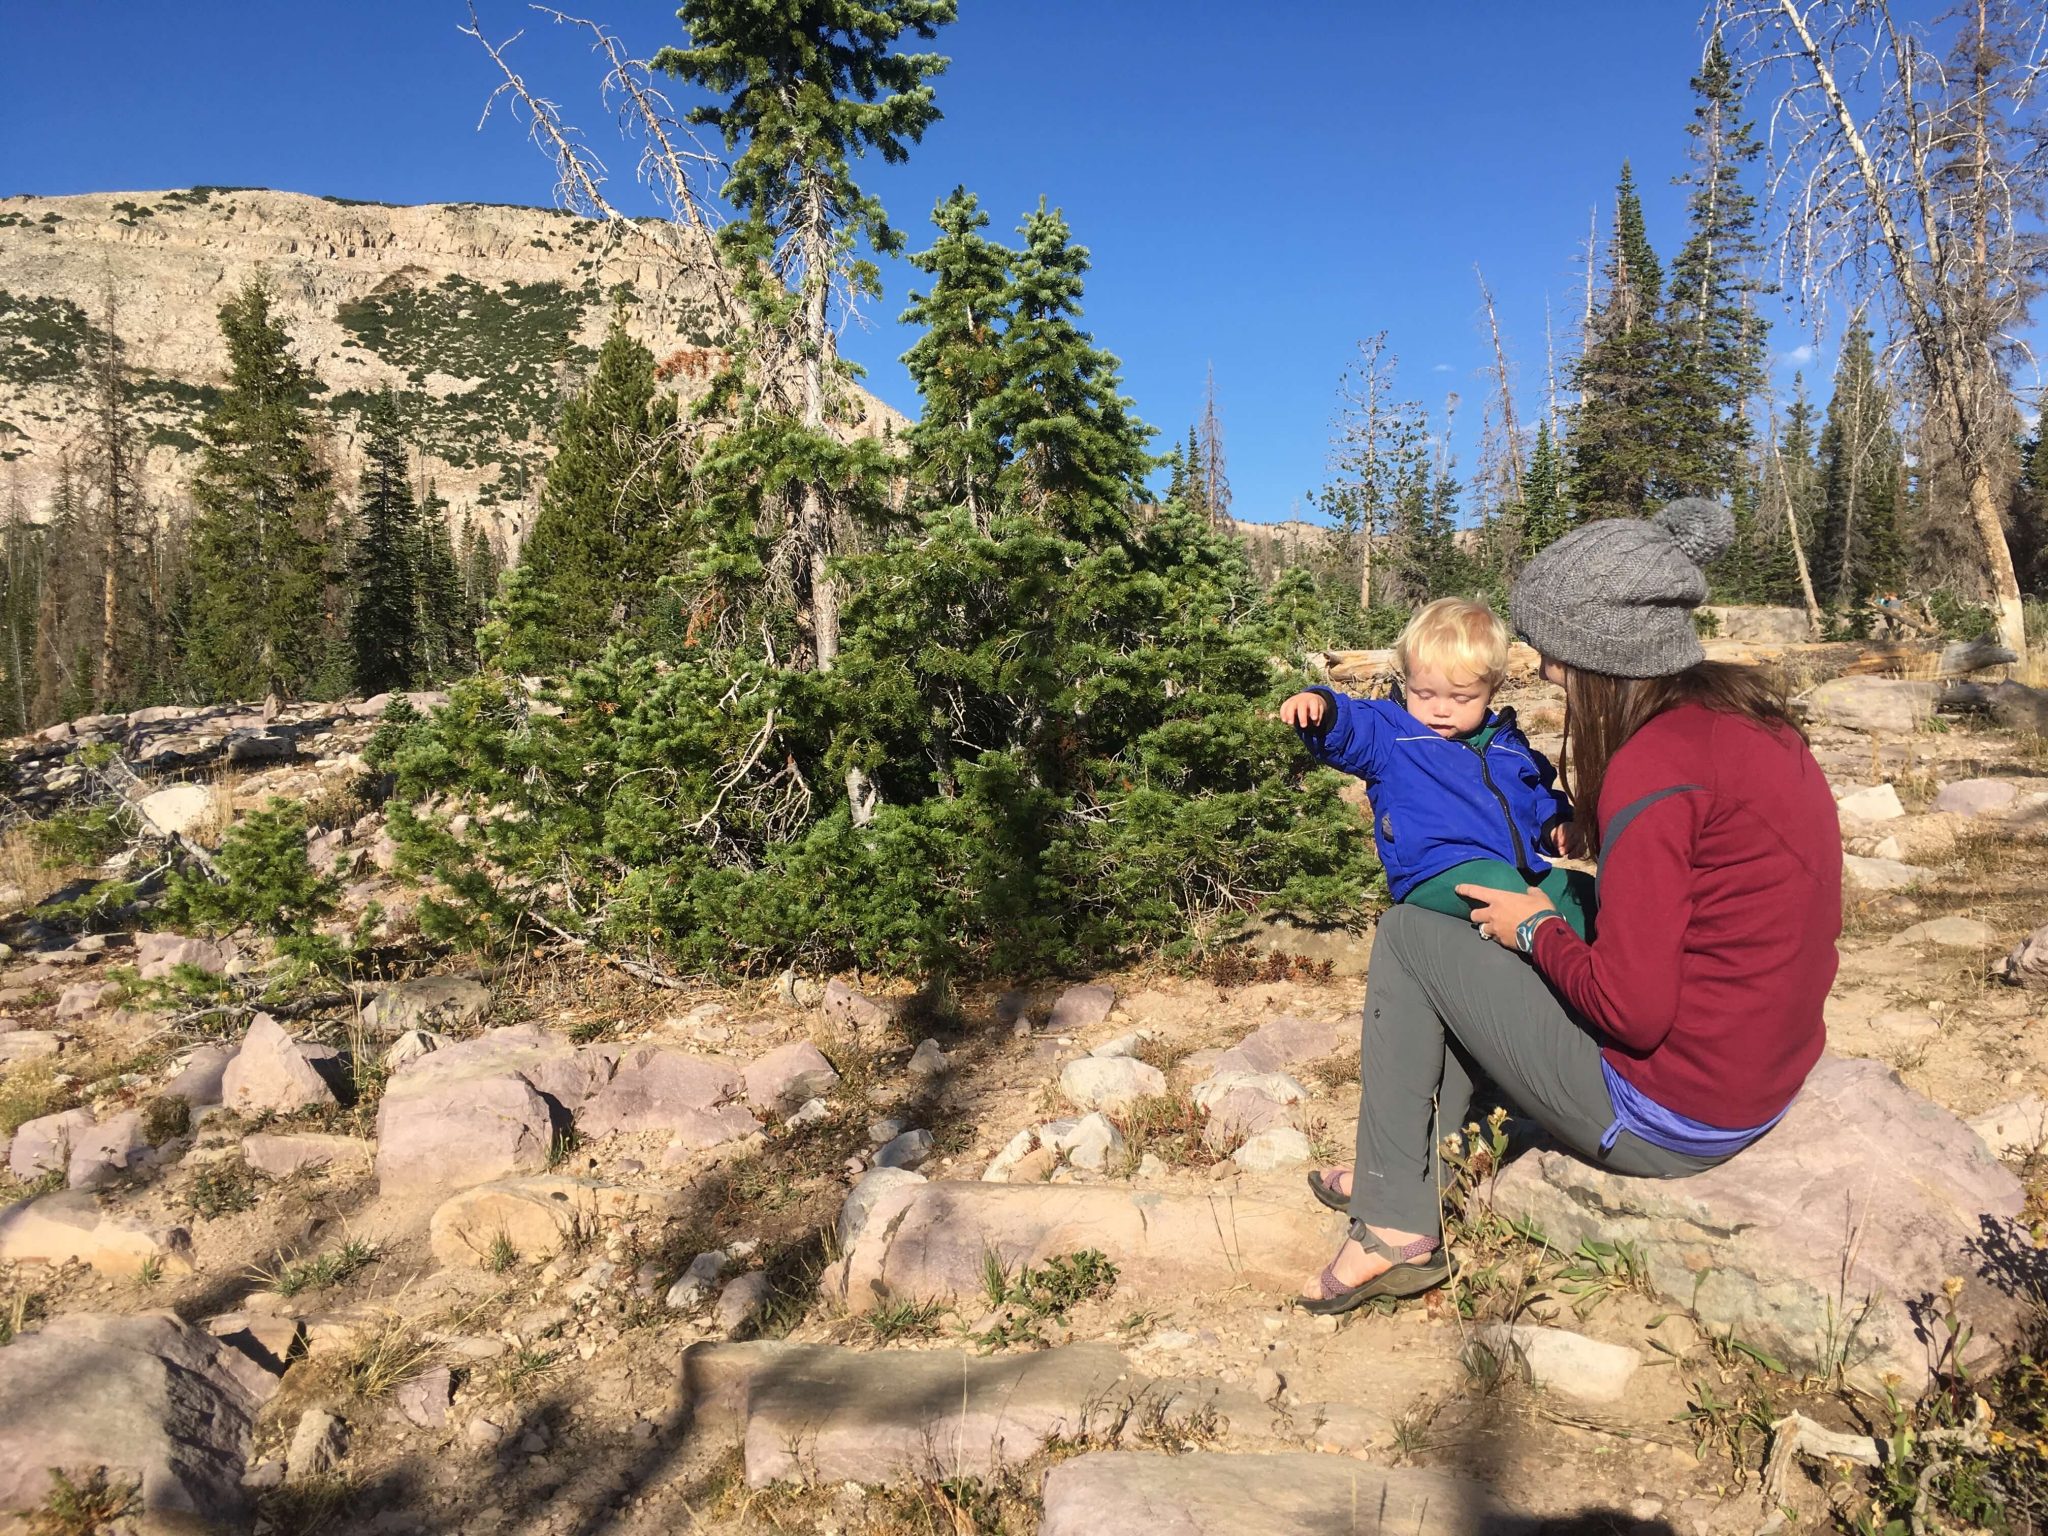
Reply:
x=1408, y=1277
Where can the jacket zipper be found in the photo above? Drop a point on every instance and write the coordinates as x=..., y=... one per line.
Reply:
x=1514, y=832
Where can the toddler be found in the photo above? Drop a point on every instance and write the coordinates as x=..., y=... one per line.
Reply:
x=1459, y=797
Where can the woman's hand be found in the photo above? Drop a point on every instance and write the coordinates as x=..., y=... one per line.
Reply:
x=1304, y=711
x=1500, y=913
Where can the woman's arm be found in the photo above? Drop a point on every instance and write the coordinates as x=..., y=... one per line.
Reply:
x=1627, y=982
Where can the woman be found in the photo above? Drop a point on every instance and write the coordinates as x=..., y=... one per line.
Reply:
x=1683, y=1032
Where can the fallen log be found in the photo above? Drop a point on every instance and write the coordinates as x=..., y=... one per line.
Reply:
x=2012, y=705
x=1805, y=664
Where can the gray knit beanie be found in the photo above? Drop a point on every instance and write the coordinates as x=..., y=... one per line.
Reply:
x=1617, y=596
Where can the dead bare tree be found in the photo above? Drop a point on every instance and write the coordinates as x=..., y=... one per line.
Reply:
x=1215, y=480
x=1360, y=493
x=1893, y=158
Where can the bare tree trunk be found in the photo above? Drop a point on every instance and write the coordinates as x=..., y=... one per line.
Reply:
x=1945, y=342
x=817, y=355
x=1813, y=614
x=1505, y=385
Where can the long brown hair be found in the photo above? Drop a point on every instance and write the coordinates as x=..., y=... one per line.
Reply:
x=1601, y=713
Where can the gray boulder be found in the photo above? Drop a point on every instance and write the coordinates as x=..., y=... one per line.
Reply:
x=451, y=1131
x=201, y=1080
x=158, y=954
x=1884, y=705
x=1110, y=1082
x=274, y=1072
x=787, y=1076
x=108, y=1150
x=158, y=1403
x=1080, y=1009
x=1827, y=1242
x=688, y=1098
x=46, y=1142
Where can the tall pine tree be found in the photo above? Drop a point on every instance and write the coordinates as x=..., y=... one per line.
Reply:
x=260, y=538
x=808, y=85
x=609, y=527
x=384, y=630
x=953, y=363
x=1715, y=337
x=1858, y=545
x=1617, y=448
x=1545, y=517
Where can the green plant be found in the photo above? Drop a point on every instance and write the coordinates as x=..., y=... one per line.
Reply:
x=223, y=1188
x=83, y=1507
x=501, y=1255
x=151, y=1272
x=166, y=1118
x=524, y=1366
x=267, y=884
x=317, y=1274
x=83, y=835
x=1597, y=1270
x=902, y=1319
x=395, y=1353
x=1040, y=1292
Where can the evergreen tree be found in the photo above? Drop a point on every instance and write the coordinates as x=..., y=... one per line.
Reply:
x=445, y=637
x=1194, y=492
x=608, y=529
x=953, y=364
x=259, y=540
x=481, y=566
x=1617, y=446
x=384, y=630
x=21, y=566
x=1858, y=546
x=1076, y=454
x=1545, y=518
x=807, y=86
x=1716, y=339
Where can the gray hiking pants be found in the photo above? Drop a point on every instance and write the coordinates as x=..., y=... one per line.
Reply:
x=1441, y=1005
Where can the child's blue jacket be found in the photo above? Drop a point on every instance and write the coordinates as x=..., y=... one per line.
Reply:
x=1436, y=801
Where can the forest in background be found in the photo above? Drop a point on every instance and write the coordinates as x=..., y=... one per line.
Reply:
x=754, y=692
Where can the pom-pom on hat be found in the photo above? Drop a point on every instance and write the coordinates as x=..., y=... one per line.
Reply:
x=1617, y=596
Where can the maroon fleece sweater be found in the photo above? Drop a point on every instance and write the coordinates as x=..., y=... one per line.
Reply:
x=1719, y=910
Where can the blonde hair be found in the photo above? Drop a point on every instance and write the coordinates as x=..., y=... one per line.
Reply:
x=1463, y=637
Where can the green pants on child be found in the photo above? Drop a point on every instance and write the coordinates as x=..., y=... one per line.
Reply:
x=1569, y=890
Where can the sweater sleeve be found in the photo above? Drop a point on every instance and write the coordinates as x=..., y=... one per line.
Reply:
x=1626, y=982
x=1351, y=736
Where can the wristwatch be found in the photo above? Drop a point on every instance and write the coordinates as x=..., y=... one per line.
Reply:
x=1525, y=931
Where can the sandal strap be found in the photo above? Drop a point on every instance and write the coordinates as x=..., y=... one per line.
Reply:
x=1406, y=1254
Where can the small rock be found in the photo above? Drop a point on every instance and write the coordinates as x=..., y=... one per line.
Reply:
x=789, y=1075
x=159, y=954
x=1093, y=1144
x=1268, y=1384
x=273, y=1072
x=697, y=1283
x=740, y=1303
x=1590, y=1370
x=427, y=1002
x=799, y=991
x=927, y=1060
x=411, y=1046
x=1948, y=933
x=1080, y=1009
x=843, y=1005
x=482, y=1433
x=18, y=1045
x=318, y=1444
x=1881, y=874
x=1150, y=1167
x=1280, y=1147
x=1878, y=803
x=45, y=1143
x=888, y=1128
x=809, y=1113
x=200, y=1080
x=1976, y=797
x=1905, y=1023
x=1110, y=1083
x=278, y=1156
x=905, y=1151
x=1123, y=1045
x=86, y=997
x=177, y=809
x=1645, y=1509
x=427, y=1397
x=264, y=1476
x=2015, y=1129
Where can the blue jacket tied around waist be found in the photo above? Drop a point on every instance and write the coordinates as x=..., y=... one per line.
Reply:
x=1438, y=801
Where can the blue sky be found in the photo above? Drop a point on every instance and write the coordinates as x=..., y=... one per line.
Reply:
x=1260, y=186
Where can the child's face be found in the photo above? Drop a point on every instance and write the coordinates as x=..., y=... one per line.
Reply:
x=1450, y=707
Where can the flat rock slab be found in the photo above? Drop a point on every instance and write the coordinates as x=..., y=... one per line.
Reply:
x=686, y=1097
x=279, y=1156
x=552, y=1064
x=446, y=1133
x=927, y=1242
x=1278, y=1045
x=427, y=1002
x=820, y=1414
x=538, y=1217
x=1825, y=1243
x=1080, y=1008
x=70, y=1226
x=1208, y=1493
x=160, y=1404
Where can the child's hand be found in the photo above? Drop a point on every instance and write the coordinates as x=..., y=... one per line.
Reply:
x=1304, y=711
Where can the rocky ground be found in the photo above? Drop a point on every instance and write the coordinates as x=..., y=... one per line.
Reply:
x=551, y=1249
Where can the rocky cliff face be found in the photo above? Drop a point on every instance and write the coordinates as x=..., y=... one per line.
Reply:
x=478, y=316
